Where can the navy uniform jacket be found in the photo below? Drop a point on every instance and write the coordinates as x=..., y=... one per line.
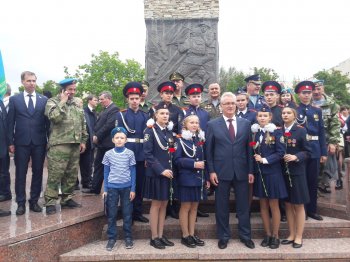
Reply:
x=259, y=103
x=134, y=121
x=290, y=104
x=310, y=117
x=297, y=145
x=187, y=175
x=157, y=159
x=277, y=115
x=250, y=115
x=176, y=116
x=3, y=131
x=203, y=115
x=273, y=152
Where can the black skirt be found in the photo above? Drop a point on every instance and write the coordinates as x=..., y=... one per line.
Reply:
x=298, y=192
x=156, y=188
x=191, y=193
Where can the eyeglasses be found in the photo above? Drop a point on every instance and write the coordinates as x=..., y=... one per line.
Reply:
x=229, y=104
x=257, y=84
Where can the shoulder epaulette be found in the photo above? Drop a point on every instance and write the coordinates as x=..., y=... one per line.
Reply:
x=299, y=126
x=252, y=110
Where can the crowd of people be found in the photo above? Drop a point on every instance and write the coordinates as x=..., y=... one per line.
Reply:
x=258, y=141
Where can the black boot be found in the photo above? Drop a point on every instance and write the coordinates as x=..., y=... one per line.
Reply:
x=339, y=184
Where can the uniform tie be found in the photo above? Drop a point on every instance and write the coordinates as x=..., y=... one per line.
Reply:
x=240, y=114
x=30, y=105
x=231, y=129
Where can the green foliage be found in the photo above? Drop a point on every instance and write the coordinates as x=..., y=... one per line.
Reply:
x=266, y=74
x=51, y=86
x=106, y=72
x=335, y=84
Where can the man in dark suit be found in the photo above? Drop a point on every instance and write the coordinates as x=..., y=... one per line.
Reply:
x=102, y=138
x=87, y=158
x=4, y=183
x=28, y=132
x=230, y=164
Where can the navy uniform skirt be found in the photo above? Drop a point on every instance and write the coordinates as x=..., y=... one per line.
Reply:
x=191, y=193
x=298, y=193
x=156, y=188
x=274, y=184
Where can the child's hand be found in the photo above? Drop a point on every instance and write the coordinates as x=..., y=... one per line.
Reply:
x=199, y=164
x=132, y=196
x=104, y=194
x=258, y=158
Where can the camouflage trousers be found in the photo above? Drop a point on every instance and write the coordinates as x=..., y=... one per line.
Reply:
x=63, y=164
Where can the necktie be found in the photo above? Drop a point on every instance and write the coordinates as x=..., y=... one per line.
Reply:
x=30, y=105
x=231, y=129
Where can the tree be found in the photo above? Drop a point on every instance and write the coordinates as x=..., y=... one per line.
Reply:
x=51, y=86
x=266, y=74
x=336, y=85
x=106, y=72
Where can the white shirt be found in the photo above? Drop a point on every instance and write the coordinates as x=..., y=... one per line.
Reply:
x=234, y=123
x=90, y=107
x=243, y=112
x=26, y=98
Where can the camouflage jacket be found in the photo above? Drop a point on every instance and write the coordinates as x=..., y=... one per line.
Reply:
x=330, y=118
x=182, y=102
x=67, y=121
x=214, y=111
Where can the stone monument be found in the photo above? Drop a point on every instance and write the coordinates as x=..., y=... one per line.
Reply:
x=182, y=37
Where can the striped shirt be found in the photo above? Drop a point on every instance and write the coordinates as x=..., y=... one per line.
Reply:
x=119, y=164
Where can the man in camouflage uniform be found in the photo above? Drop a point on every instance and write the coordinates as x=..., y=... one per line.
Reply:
x=145, y=105
x=332, y=125
x=179, y=98
x=212, y=105
x=68, y=137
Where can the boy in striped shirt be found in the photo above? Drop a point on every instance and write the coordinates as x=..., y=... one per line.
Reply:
x=119, y=183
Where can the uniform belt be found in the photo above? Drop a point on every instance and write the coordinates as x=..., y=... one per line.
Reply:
x=135, y=140
x=310, y=137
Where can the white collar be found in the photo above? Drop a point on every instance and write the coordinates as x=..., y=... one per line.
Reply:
x=25, y=93
x=244, y=111
x=226, y=118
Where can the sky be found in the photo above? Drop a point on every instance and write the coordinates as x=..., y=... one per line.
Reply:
x=296, y=38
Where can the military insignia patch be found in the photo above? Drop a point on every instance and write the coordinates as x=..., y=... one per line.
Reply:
x=316, y=117
x=146, y=138
x=282, y=139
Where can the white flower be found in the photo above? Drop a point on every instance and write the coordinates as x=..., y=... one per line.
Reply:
x=201, y=135
x=270, y=127
x=150, y=122
x=170, y=125
x=255, y=128
x=186, y=134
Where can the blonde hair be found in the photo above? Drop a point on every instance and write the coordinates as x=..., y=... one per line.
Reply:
x=187, y=119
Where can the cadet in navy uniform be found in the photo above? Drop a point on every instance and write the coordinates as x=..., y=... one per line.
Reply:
x=242, y=99
x=134, y=121
x=191, y=177
x=296, y=153
x=194, y=93
x=310, y=117
x=272, y=91
x=269, y=185
x=158, y=148
x=256, y=101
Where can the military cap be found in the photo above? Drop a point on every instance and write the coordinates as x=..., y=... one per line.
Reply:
x=67, y=82
x=176, y=76
x=132, y=88
x=194, y=89
x=271, y=86
x=255, y=78
x=161, y=106
x=166, y=87
x=118, y=129
x=241, y=90
x=145, y=83
x=304, y=86
x=265, y=108
x=318, y=82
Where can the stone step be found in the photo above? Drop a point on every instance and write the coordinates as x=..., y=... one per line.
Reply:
x=206, y=228
x=327, y=249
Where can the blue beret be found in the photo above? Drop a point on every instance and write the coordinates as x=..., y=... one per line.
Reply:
x=318, y=82
x=287, y=90
x=176, y=76
x=253, y=78
x=304, y=86
x=194, y=89
x=118, y=129
x=67, y=82
x=271, y=86
x=166, y=87
x=132, y=88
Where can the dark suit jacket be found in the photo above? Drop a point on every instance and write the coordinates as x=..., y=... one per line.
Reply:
x=228, y=159
x=3, y=131
x=104, y=125
x=90, y=119
x=24, y=128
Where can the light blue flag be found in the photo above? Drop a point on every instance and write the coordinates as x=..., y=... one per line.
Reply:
x=2, y=78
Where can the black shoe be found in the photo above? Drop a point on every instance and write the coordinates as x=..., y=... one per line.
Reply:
x=110, y=244
x=248, y=243
x=201, y=214
x=222, y=244
x=50, y=210
x=5, y=198
x=35, y=207
x=173, y=214
x=71, y=204
x=198, y=241
x=339, y=184
x=315, y=216
x=4, y=213
x=21, y=209
x=283, y=218
x=141, y=218
x=296, y=245
x=166, y=242
x=266, y=241
x=287, y=242
x=188, y=242
x=156, y=243
x=274, y=243
x=324, y=189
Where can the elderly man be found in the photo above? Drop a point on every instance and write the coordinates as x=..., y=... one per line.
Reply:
x=230, y=163
x=212, y=105
x=332, y=125
x=68, y=137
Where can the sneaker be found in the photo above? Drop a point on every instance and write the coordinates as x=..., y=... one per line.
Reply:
x=129, y=244
x=110, y=244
